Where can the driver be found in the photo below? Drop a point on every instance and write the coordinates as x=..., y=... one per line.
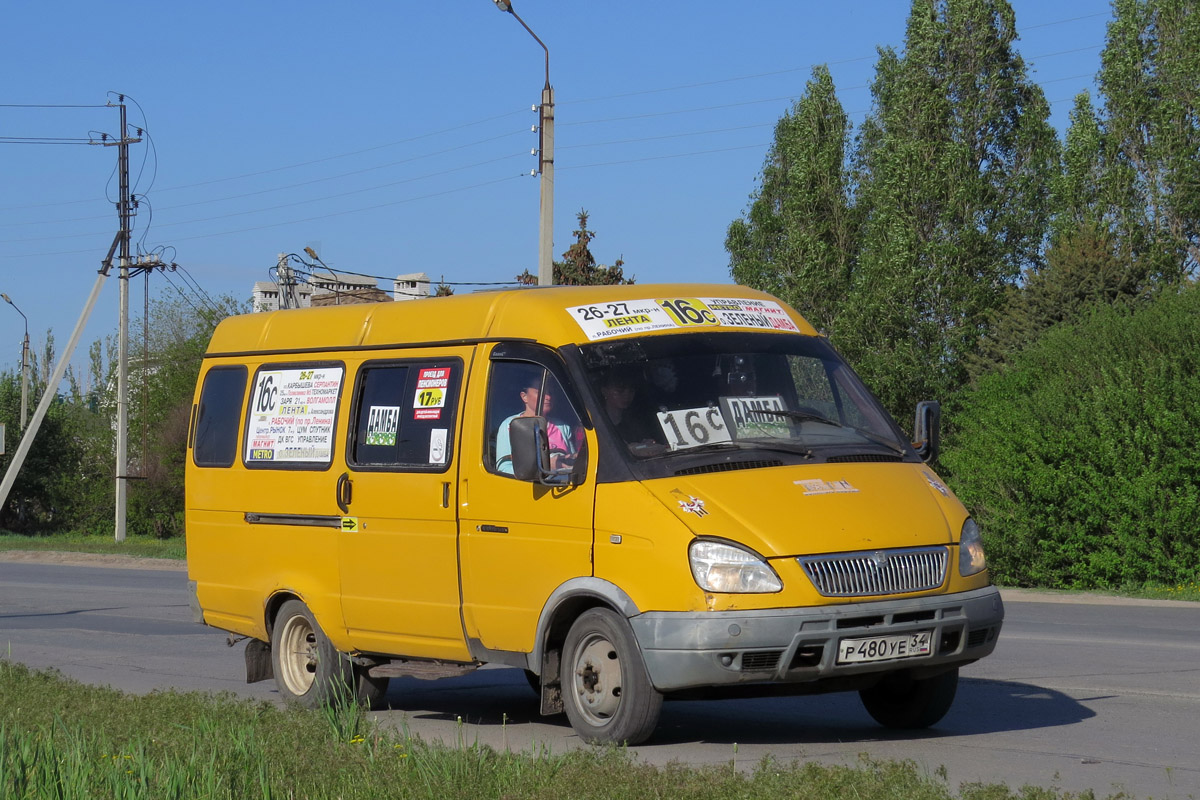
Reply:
x=562, y=437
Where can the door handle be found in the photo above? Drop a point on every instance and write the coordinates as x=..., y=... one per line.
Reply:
x=344, y=492
x=491, y=529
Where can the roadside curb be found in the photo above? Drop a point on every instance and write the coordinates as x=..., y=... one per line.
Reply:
x=91, y=560
x=1089, y=599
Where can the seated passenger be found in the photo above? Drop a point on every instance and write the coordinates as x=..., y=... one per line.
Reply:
x=635, y=424
x=564, y=438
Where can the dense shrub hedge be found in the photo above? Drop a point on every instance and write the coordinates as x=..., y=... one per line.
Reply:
x=1081, y=461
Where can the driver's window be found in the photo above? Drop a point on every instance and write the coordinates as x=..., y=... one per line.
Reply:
x=525, y=389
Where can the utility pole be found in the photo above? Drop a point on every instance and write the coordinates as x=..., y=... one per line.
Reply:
x=121, y=241
x=545, y=161
x=125, y=215
x=284, y=273
x=24, y=363
x=546, y=167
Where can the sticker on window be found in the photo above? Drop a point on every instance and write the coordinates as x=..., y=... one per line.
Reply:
x=291, y=415
x=693, y=427
x=437, y=446
x=382, y=424
x=605, y=320
x=430, y=399
x=750, y=416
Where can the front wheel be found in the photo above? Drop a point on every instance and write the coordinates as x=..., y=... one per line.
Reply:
x=606, y=691
x=902, y=702
x=309, y=670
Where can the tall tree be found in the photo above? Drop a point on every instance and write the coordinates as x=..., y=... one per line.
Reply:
x=579, y=267
x=1087, y=262
x=796, y=240
x=1148, y=75
x=951, y=173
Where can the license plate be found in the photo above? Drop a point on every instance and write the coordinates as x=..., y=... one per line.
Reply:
x=885, y=648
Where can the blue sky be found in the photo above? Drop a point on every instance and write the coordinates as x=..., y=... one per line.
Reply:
x=395, y=137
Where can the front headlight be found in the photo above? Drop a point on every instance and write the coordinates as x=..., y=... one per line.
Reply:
x=970, y=550
x=727, y=568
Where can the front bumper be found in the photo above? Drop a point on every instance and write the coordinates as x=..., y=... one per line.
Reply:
x=687, y=650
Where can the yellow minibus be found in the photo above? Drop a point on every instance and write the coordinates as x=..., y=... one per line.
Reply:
x=633, y=493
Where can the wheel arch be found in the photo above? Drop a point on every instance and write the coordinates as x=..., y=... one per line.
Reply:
x=272, y=606
x=564, y=606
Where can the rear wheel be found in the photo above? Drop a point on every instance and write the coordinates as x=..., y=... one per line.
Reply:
x=309, y=670
x=903, y=702
x=606, y=691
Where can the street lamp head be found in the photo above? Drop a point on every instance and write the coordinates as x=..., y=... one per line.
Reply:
x=504, y=5
x=10, y=302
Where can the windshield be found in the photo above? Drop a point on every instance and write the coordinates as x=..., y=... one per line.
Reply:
x=679, y=395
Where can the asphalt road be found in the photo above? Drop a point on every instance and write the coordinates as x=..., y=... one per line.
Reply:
x=1092, y=693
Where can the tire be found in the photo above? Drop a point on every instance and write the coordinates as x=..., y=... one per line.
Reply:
x=606, y=691
x=309, y=671
x=905, y=703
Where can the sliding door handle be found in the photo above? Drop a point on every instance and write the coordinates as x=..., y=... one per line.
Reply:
x=344, y=492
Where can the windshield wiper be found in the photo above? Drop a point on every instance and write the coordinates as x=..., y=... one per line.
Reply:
x=879, y=440
x=801, y=415
x=810, y=416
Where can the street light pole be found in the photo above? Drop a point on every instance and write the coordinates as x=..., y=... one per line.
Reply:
x=545, y=162
x=24, y=363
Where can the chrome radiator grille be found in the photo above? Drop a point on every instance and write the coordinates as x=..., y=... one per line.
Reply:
x=877, y=572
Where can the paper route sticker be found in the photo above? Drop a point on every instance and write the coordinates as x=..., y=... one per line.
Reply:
x=627, y=317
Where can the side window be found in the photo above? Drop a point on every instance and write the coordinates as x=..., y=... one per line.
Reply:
x=525, y=389
x=218, y=417
x=404, y=415
x=292, y=414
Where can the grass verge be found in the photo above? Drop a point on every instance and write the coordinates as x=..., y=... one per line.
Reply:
x=137, y=546
x=59, y=738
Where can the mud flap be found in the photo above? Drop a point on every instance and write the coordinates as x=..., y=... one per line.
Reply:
x=552, y=702
x=258, y=661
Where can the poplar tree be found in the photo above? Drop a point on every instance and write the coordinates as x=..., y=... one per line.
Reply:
x=951, y=178
x=796, y=240
x=1148, y=76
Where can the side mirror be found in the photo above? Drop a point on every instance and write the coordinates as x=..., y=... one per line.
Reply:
x=531, y=453
x=530, y=448
x=928, y=430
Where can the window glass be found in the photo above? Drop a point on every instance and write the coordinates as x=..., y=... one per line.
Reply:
x=292, y=413
x=404, y=416
x=525, y=389
x=684, y=393
x=218, y=416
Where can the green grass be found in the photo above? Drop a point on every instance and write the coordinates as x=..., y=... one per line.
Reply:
x=1181, y=591
x=138, y=546
x=61, y=739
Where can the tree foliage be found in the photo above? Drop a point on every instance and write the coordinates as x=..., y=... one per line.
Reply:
x=67, y=482
x=797, y=238
x=904, y=261
x=578, y=266
x=1079, y=459
x=1148, y=76
x=951, y=169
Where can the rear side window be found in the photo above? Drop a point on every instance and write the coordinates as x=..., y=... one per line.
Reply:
x=404, y=415
x=292, y=416
x=218, y=416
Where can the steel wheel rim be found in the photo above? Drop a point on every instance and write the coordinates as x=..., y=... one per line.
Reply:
x=597, y=679
x=298, y=655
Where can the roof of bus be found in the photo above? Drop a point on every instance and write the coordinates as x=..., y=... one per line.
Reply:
x=552, y=315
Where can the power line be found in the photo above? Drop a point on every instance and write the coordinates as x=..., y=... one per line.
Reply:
x=49, y=105
x=285, y=205
x=43, y=140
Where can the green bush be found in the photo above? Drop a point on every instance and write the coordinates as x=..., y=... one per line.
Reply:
x=1080, y=461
